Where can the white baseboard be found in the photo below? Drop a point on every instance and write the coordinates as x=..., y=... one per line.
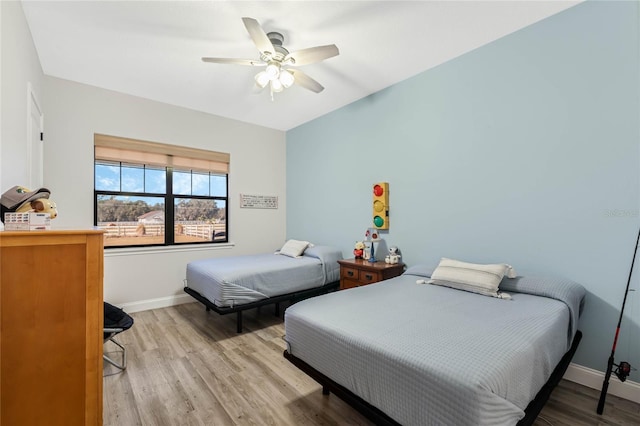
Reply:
x=161, y=302
x=594, y=378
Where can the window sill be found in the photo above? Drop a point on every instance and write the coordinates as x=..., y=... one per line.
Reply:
x=130, y=251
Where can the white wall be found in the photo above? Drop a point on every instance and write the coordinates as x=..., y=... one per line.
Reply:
x=76, y=111
x=19, y=67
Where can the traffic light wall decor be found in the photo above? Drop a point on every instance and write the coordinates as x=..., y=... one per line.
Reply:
x=381, y=205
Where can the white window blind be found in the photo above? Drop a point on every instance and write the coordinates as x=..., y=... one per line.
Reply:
x=134, y=151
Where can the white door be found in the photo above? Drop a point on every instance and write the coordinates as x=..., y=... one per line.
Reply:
x=35, y=150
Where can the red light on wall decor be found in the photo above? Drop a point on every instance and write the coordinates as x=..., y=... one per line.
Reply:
x=381, y=205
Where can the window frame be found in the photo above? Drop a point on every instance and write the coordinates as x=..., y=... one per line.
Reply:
x=169, y=198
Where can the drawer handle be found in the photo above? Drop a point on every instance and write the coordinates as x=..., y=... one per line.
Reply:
x=350, y=273
x=368, y=277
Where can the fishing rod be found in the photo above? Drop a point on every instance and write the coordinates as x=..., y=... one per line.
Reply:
x=624, y=368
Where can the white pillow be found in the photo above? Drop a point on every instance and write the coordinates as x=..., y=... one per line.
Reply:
x=294, y=248
x=481, y=279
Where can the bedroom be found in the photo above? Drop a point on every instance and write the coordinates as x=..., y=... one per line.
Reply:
x=553, y=107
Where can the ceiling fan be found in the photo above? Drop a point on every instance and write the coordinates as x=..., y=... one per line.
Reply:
x=277, y=60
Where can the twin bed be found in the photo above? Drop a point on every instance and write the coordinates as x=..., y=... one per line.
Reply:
x=404, y=351
x=235, y=284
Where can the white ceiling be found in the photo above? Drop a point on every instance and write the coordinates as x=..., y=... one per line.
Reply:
x=153, y=49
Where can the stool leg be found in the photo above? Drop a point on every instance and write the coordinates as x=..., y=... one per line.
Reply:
x=120, y=365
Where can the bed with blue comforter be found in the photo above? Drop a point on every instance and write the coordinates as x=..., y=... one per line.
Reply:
x=419, y=354
x=233, y=284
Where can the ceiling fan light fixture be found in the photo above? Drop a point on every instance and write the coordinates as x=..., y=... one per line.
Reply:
x=286, y=78
x=273, y=70
x=276, y=86
x=262, y=79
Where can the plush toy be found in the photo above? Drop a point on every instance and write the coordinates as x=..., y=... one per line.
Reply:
x=40, y=205
x=15, y=197
x=393, y=256
x=358, y=251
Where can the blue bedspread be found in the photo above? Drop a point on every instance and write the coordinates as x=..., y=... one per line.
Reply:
x=232, y=281
x=432, y=355
x=567, y=291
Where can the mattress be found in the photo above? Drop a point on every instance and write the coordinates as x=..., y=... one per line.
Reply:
x=233, y=281
x=432, y=355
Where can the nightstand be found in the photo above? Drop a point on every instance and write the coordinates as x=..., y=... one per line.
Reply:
x=358, y=272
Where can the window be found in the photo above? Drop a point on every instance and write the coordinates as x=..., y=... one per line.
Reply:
x=147, y=193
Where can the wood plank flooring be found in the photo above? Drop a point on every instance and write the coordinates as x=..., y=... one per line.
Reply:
x=190, y=367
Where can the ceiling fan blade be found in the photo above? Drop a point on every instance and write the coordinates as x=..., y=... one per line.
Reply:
x=312, y=55
x=301, y=79
x=234, y=61
x=258, y=36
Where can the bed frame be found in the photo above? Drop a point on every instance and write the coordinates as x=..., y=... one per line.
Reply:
x=381, y=419
x=295, y=296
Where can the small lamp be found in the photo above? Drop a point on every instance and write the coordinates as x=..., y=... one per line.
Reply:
x=372, y=236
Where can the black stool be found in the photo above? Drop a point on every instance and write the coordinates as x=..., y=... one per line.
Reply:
x=115, y=322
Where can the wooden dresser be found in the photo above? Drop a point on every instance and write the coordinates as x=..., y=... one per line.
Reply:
x=357, y=272
x=51, y=315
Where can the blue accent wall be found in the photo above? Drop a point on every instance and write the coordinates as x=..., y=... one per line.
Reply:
x=524, y=151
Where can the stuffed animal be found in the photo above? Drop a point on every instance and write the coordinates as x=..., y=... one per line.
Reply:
x=14, y=198
x=40, y=205
x=393, y=256
x=358, y=251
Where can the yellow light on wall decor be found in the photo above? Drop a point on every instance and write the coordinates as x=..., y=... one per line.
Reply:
x=381, y=205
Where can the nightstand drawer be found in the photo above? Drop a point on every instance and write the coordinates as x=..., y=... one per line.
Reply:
x=347, y=283
x=349, y=273
x=368, y=277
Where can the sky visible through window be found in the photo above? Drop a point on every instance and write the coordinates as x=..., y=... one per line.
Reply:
x=112, y=177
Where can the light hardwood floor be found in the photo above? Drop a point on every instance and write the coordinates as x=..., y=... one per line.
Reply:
x=190, y=367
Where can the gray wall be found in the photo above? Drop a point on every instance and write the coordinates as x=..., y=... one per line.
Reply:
x=151, y=277
x=523, y=151
x=19, y=67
